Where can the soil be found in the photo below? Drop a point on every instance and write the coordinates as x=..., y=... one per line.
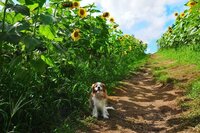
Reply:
x=142, y=105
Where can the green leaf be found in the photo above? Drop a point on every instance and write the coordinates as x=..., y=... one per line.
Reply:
x=39, y=65
x=10, y=17
x=15, y=107
x=96, y=30
x=21, y=9
x=47, y=31
x=9, y=37
x=58, y=39
x=18, y=17
x=21, y=1
x=9, y=5
x=10, y=2
x=47, y=60
x=30, y=2
x=46, y=19
x=31, y=43
x=94, y=10
x=33, y=6
x=15, y=61
x=23, y=75
x=71, y=63
x=2, y=3
x=24, y=25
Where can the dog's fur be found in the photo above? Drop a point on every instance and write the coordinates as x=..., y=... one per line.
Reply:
x=98, y=100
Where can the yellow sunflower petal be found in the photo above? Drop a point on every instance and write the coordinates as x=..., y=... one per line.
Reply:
x=82, y=12
x=182, y=15
x=76, y=4
x=191, y=3
x=112, y=20
x=75, y=35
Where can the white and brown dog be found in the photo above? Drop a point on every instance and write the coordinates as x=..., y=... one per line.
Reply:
x=98, y=100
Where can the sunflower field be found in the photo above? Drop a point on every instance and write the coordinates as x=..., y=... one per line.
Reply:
x=50, y=54
x=185, y=31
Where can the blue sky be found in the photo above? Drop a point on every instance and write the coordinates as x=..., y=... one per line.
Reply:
x=145, y=19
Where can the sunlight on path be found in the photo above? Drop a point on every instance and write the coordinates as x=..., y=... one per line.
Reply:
x=142, y=105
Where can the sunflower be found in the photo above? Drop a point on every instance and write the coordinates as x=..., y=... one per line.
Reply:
x=126, y=35
x=67, y=4
x=176, y=14
x=170, y=29
x=182, y=15
x=75, y=35
x=106, y=15
x=120, y=38
x=112, y=20
x=82, y=12
x=76, y=4
x=191, y=3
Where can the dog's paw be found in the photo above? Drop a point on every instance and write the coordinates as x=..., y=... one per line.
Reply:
x=95, y=115
x=105, y=117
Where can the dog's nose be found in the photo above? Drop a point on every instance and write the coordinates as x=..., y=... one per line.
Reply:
x=99, y=88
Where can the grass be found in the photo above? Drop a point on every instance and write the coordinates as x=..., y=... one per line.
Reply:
x=160, y=71
x=194, y=90
x=183, y=55
x=181, y=58
x=161, y=76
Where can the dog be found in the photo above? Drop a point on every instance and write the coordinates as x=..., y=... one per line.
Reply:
x=98, y=100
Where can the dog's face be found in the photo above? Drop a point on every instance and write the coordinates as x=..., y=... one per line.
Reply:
x=98, y=87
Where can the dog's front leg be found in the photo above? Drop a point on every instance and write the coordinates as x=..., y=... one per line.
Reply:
x=105, y=113
x=95, y=112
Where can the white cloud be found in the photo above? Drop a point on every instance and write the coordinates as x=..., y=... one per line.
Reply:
x=130, y=13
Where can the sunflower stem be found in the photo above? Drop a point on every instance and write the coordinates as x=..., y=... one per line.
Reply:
x=54, y=14
x=4, y=16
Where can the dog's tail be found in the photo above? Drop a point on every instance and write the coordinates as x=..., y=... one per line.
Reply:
x=110, y=108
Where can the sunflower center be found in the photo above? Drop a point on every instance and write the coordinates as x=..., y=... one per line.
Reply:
x=193, y=3
x=106, y=14
x=75, y=4
x=82, y=12
x=76, y=34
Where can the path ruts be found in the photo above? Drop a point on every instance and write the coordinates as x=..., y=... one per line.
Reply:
x=142, y=106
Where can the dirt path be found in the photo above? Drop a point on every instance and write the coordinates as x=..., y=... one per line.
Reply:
x=142, y=106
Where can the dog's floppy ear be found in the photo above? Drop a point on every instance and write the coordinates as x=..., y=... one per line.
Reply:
x=93, y=86
x=104, y=87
